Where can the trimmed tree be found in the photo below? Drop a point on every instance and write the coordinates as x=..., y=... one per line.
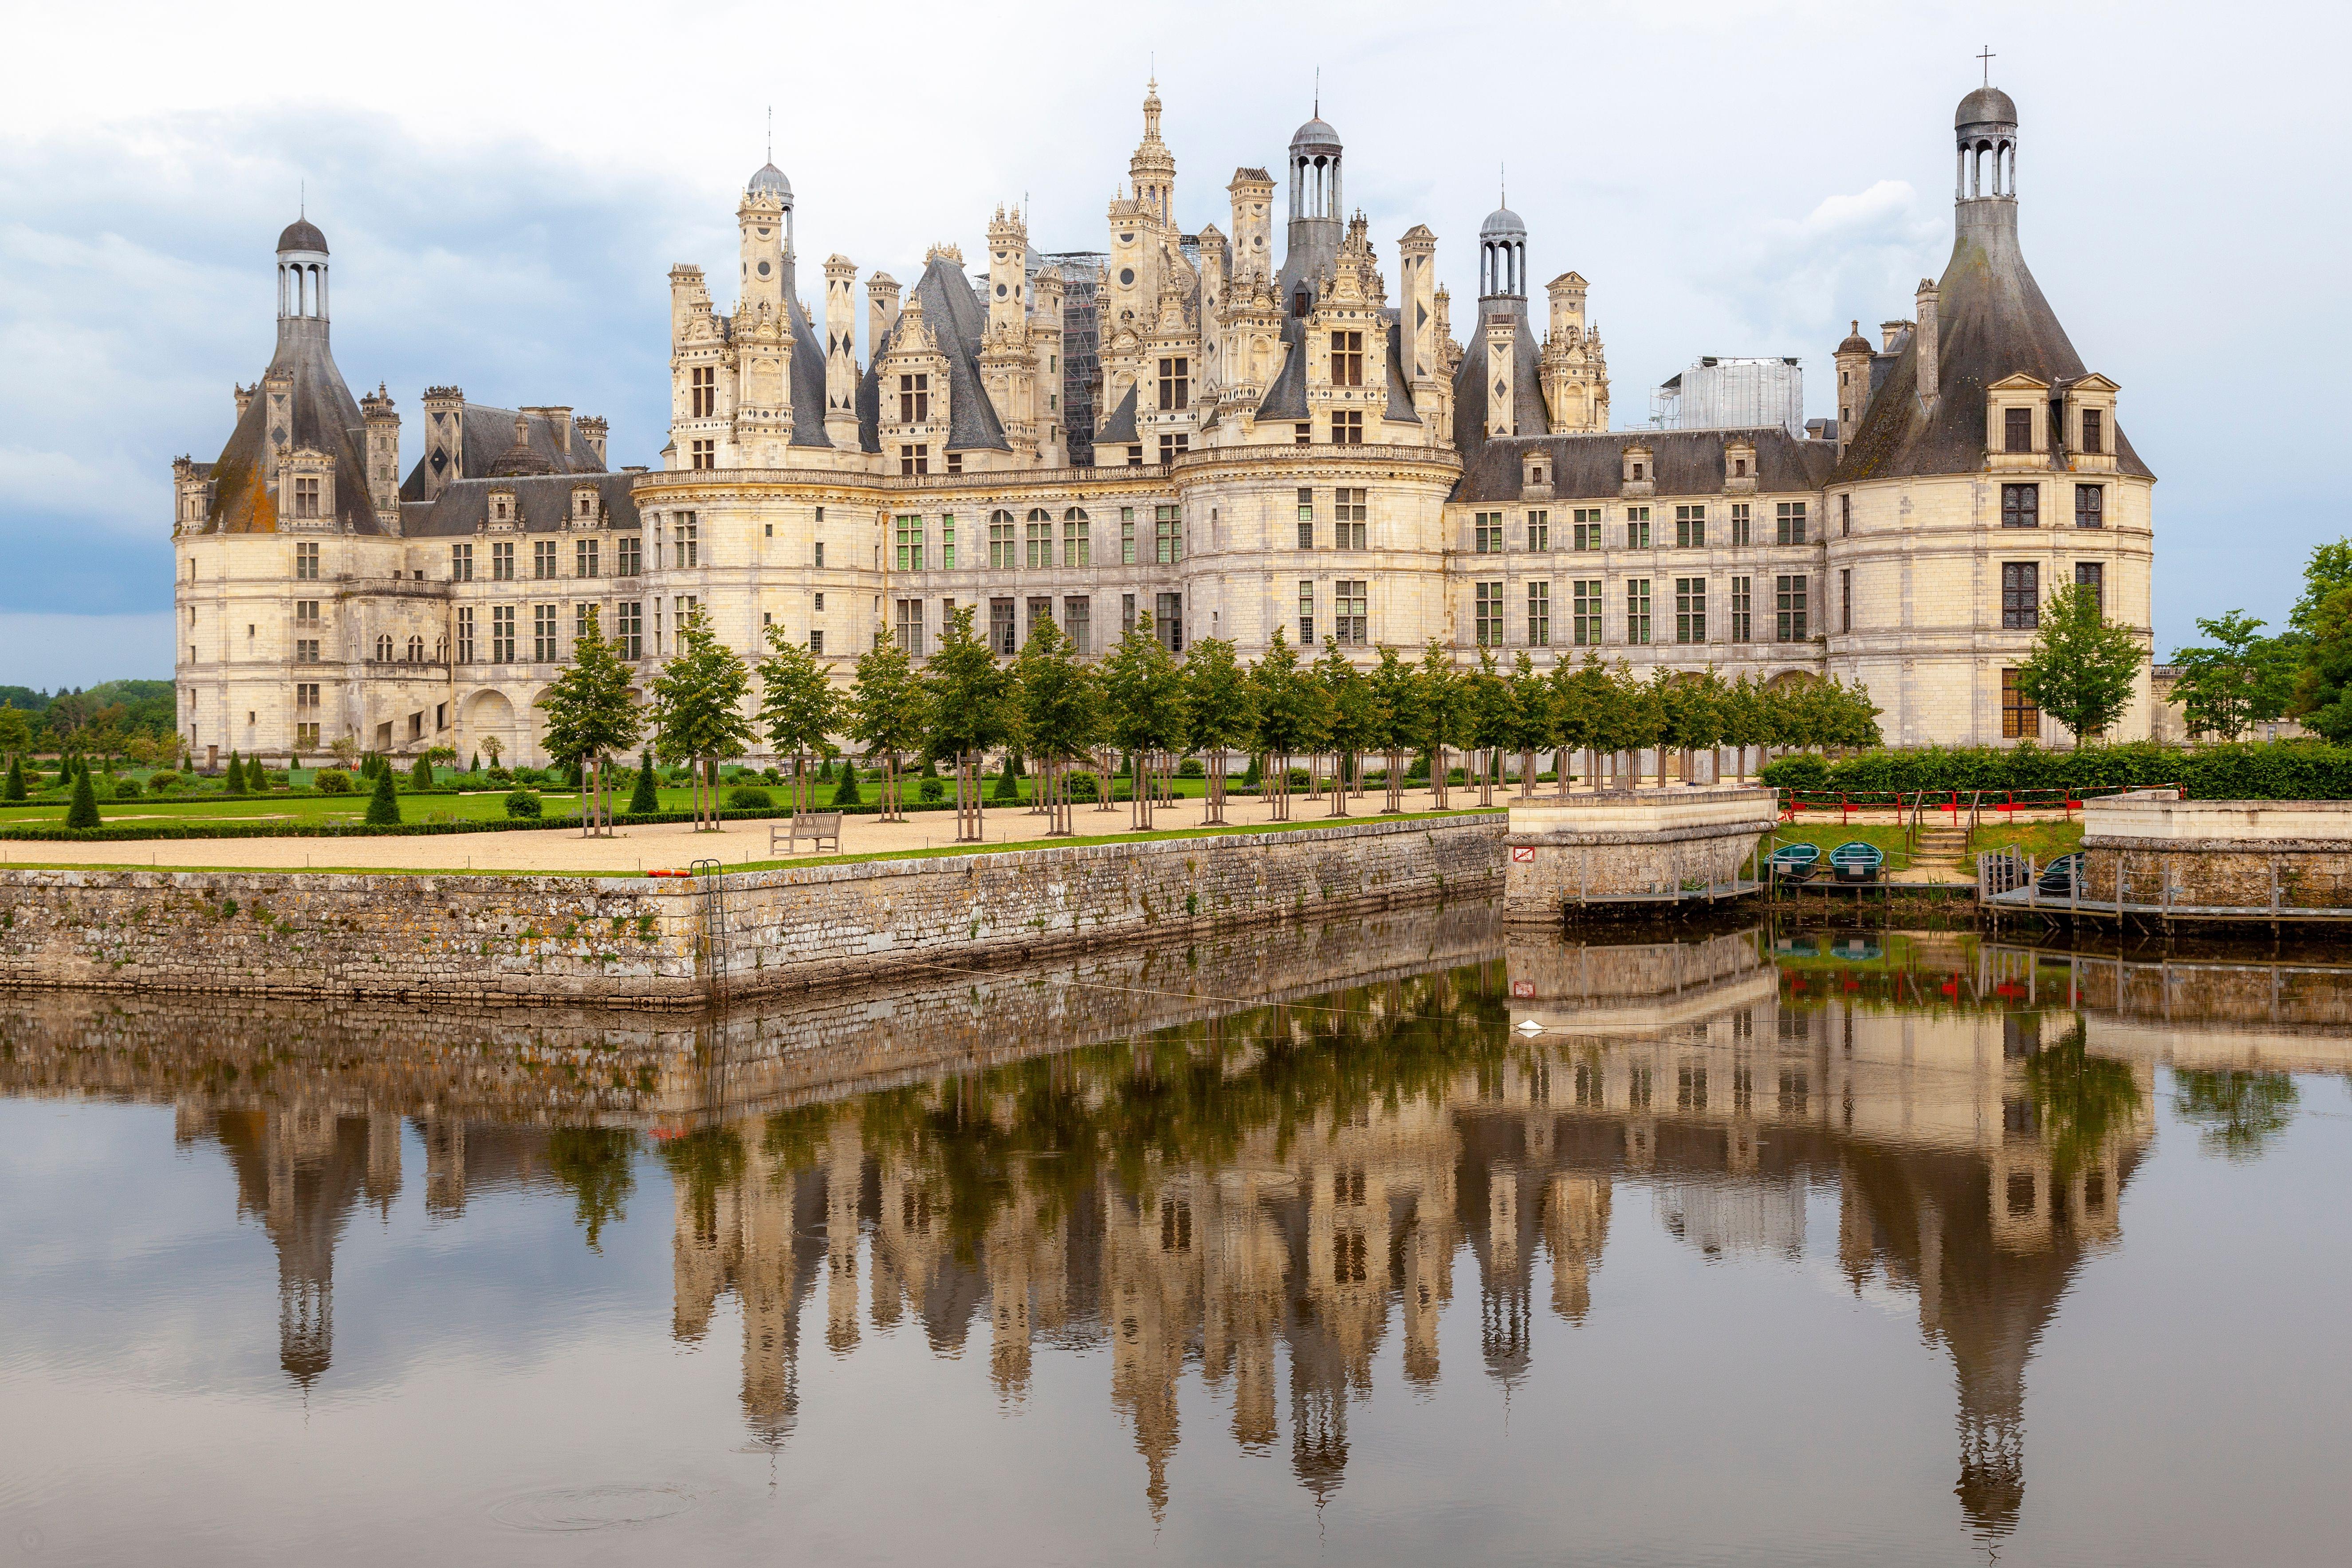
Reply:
x=83, y=812
x=799, y=707
x=383, y=806
x=888, y=714
x=590, y=716
x=1216, y=712
x=1491, y=726
x=698, y=711
x=1145, y=698
x=968, y=691
x=1396, y=697
x=232, y=781
x=1352, y=720
x=1531, y=718
x=1060, y=706
x=14, y=789
x=647, y=797
x=1442, y=711
x=2083, y=667
x=1291, y=715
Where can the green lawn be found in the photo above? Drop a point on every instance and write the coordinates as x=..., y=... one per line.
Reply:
x=1829, y=836
x=2045, y=841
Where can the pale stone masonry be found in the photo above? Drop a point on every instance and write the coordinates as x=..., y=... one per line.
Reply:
x=1225, y=435
x=641, y=942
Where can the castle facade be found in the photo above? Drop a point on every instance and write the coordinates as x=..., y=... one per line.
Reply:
x=1186, y=425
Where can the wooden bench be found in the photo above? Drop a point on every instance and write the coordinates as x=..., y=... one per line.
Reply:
x=817, y=827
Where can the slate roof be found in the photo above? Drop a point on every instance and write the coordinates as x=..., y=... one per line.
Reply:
x=1285, y=395
x=319, y=413
x=486, y=433
x=1400, y=385
x=302, y=235
x=1121, y=426
x=1683, y=462
x=1992, y=323
x=544, y=501
x=957, y=318
x=808, y=379
x=1472, y=381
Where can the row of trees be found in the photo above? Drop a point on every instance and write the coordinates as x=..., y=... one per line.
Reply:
x=2239, y=678
x=1142, y=702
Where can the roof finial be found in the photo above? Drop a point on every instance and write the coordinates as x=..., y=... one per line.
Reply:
x=1502, y=184
x=1987, y=56
x=302, y=199
x=1318, y=92
x=772, y=133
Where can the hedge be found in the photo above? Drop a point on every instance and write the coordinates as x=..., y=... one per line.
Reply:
x=2273, y=770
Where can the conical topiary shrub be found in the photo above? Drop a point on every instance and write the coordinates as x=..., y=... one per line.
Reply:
x=848, y=793
x=256, y=777
x=14, y=790
x=645, y=797
x=83, y=812
x=383, y=806
x=1253, y=775
x=421, y=775
x=231, y=782
x=824, y=771
x=1005, y=789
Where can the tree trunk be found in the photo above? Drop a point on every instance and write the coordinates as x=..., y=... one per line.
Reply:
x=1395, y=782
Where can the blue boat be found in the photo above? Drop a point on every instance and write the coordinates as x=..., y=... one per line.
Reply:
x=1854, y=861
x=1796, y=862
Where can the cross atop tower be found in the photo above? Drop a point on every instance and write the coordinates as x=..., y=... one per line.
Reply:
x=1987, y=58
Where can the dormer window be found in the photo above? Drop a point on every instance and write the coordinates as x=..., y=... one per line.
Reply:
x=1739, y=467
x=2017, y=430
x=1638, y=470
x=306, y=498
x=914, y=399
x=2093, y=432
x=584, y=504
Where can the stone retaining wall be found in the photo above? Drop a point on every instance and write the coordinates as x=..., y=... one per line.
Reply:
x=638, y=941
x=2248, y=855
x=1603, y=846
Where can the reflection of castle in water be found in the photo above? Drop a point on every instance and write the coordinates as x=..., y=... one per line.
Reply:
x=1267, y=1195
x=303, y=1168
x=1257, y=1202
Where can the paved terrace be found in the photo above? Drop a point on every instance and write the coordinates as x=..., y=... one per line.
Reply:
x=672, y=845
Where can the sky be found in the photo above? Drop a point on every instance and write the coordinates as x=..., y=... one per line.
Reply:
x=504, y=189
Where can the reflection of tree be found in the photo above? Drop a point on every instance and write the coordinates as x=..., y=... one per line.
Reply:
x=2241, y=1112
x=2080, y=1099
x=1059, y=1126
x=702, y=1161
x=595, y=1162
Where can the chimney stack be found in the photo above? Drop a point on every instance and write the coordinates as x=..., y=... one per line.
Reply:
x=1928, y=342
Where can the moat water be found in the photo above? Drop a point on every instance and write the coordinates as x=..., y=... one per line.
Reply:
x=1403, y=1242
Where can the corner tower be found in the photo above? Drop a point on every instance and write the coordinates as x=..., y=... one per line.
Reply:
x=1984, y=473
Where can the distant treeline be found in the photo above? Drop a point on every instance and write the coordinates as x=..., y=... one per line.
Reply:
x=99, y=718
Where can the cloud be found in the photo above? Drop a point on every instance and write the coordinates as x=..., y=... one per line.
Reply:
x=137, y=284
x=1793, y=279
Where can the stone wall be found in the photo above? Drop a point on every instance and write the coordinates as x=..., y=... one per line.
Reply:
x=637, y=941
x=564, y=1063
x=1609, y=845
x=2229, y=854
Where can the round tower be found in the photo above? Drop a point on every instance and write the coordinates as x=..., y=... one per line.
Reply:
x=301, y=275
x=1985, y=126
x=1503, y=257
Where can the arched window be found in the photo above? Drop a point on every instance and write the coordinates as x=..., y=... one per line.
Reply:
x=417, y=650
x=1040, y=539
x=1003, y=548
x=1078, y=549
x=384, y=648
